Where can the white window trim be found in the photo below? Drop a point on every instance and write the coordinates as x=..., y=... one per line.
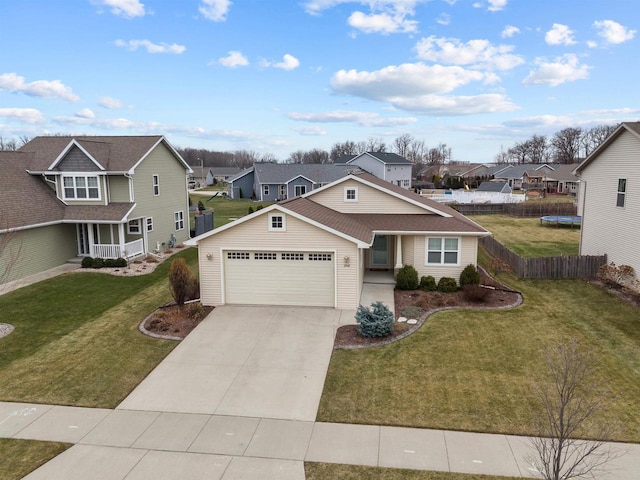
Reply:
x=178, y=220
x=442, y=252
x=621, y=193
x=282, y=189
x=136, y=224
x=86, y=188
x=156, y=185
x=297, y=187
x=149, y=224
x=265, y=189
x=348, y=189
x=277, y=229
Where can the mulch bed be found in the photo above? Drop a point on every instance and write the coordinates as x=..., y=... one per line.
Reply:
x=426, y=303
x=171, y=322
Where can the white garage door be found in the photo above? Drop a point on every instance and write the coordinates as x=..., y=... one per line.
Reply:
x=279, y=278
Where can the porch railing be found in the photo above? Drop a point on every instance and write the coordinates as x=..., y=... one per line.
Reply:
x=131, y=249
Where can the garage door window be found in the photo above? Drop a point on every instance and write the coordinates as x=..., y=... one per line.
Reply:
x=320, y=257
x=293, y=256
x=238, y=256
x=265, y=256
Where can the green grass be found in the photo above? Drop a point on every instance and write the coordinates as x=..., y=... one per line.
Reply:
x=76, y=338
x=226, y=210
x=323, y=471
x=528, y=238
x=20, y=457
x=472, y=370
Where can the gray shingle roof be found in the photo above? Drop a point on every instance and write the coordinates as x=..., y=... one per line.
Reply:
x=389, y=158
x=492, y=187
x=279, y=173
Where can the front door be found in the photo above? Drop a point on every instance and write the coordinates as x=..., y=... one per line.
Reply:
x=380, y=252
x=83, y=240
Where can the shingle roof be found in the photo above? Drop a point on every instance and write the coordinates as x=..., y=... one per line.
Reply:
x=492, y=186
x=415, y=223
x=389, y=158
x=563, y=173
x=279, y=173
x=225, y=170
x=112, y=213
x=114, y=153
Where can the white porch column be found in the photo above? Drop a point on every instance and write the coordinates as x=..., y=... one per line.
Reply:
x=90, y=239
x=121, y=239
x=398, y=251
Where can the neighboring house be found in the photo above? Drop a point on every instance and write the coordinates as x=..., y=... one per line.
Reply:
x=270, y=182
x=517, y=175
x=315, y=249
x=608, y=198
x=221, y=174
x=107, y=197
x=562, y=180
x=494, y=187
x=388, y=166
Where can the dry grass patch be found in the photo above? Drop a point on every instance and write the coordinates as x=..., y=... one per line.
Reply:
x=323, y=471
x=20, y=457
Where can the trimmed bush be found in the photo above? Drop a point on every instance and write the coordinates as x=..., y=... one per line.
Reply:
x=87, y=262
x=120, y=262
x=109, y=262
x=475, y=293
x=376, y=321
x=407, y=278
x=97, y=263
x=180, y=280
x=250, y=211
x=469, y=276
x=428, y=284
x=447, y=285
x=411, y=311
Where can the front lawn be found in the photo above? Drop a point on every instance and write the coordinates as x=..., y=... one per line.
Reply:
x=472, y=370
x=322, y=471
x=20, y=457
x=224, y=209
x=528, y=238
x=76, y=338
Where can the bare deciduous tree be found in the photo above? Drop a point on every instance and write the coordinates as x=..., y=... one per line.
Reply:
x=566, y=145
x=571, y=401
x=11, y=251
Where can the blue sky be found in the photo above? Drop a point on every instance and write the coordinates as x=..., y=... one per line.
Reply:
x=279, y=76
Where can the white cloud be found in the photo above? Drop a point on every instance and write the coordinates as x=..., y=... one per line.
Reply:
x=559, y=35
x=443, y=19
x=109, y=102
x=564, y=69
x=366, y=119
x=123, y=8
x=215, y=10
x=613, y=32
x=25, y=115
x=151, y=47
x=312, y=131
x=289, y=62
x=455, y=105
x=85, y=113
x=496, y=5
x=234, y=59
x=479, y=53
x=381, y=23
x=39, y=88
x=592, y=44
x=509, y=31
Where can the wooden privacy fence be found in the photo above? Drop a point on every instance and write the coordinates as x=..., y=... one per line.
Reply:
x=517, y=209
x=563, y=266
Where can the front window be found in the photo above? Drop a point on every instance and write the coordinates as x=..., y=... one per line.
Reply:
x=276, y=222
x=156, y=185
x=622, y=192
x=443, y=251
x=133, y=226
x=81, y=187
x=178, y=218
x=300, y=190
x=265, y=190
x=149, y=224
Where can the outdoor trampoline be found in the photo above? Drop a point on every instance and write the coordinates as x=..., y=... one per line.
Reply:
x=557, y=220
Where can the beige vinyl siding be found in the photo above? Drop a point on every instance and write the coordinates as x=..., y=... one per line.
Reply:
x=253, y=234
x=118, y=188
x=468, y=254
x=408, y=250
x=39, y=249
x=172, y=198
x=606, y=228
x=370, y=200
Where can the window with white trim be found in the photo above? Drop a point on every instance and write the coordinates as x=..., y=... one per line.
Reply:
x=265, y=256
x=622, y=192
x=265, y=189
x=351, y=194
x=149, y=224
x=320, y=257
x=156, y=185
x=133, y=226
x=238, y=256
x=300, y=190
x=178, y=219
x=283, y=191
x=443, y=251
x=292, y=256
x=276, y=222
x=81, y=187
x=406, y=183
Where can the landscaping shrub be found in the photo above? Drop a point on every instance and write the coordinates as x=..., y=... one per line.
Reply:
x=109, y=262
x=250, y=211
x=195, y=310
x=411, y=312
x=376, y=321
x=428, y=284
x=447, y=285
x=180, y=280
x=87, y=262
x=475, y=293
x=407, y=278
x=194, y=289
x=259, y=207
x=120, y=262
x=469, y=276
x=97, y=263
x=497, y=265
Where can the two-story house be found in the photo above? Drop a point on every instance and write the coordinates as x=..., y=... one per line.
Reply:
x=98, y=196
x=390, y=167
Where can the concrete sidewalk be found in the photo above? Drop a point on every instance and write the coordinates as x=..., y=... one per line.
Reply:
x=128, y=445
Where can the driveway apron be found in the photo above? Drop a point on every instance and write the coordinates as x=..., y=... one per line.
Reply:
x=264, y=362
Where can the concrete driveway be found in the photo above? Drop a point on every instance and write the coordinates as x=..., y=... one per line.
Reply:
x=265, y=362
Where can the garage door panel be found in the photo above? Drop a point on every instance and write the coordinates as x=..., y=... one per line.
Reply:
x=264, y=278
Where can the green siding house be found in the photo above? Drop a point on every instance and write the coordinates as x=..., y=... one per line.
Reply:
x=97, y=196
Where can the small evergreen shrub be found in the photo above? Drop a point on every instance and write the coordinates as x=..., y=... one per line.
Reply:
x=87, y=262
x=180, y=280
x=97, y=263
x=469, y=276
x=407, y=278
x=250, y=211
x=120, y=262
x=376, y=321
x=109, y=262
x=428, y=284
x=411, y=311
x=259, y=207
x=447, y=285
x=475, y=293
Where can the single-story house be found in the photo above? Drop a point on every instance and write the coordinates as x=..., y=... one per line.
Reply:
x=315, y=249
x=221, y=174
